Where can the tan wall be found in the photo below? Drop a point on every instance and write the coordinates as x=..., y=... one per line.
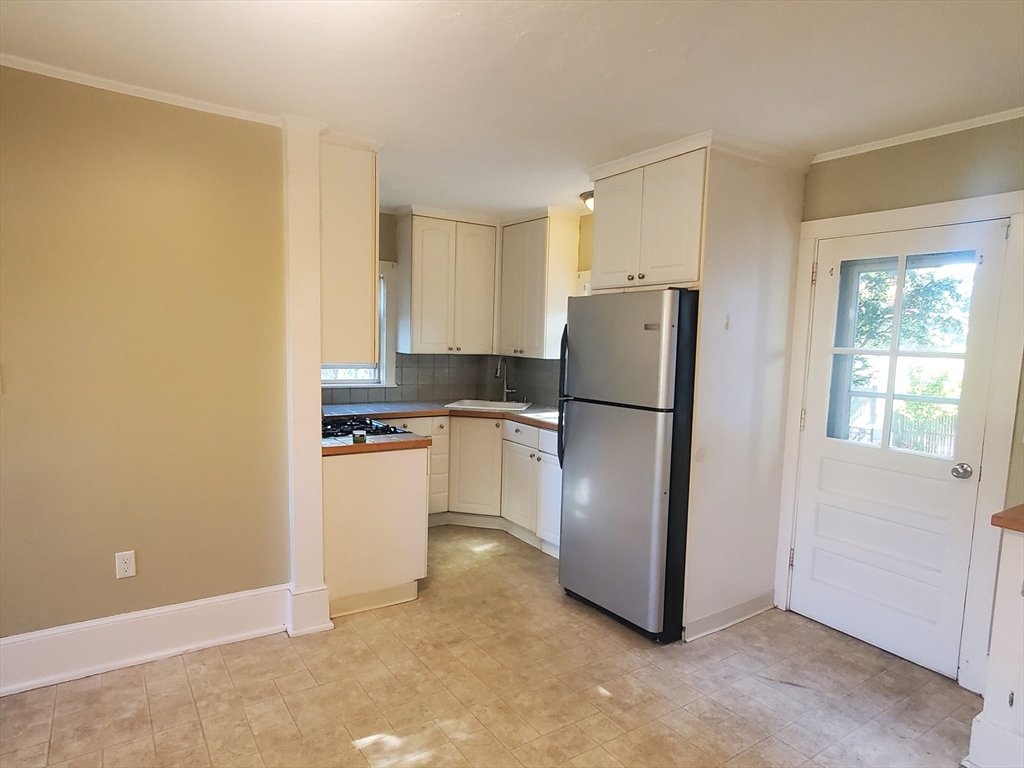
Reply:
x=981, y=161
x=142, y=341
x=388, y=247
x=586, y=242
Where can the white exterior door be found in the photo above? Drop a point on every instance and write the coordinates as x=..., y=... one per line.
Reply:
x=617, y=204
x=898, y=373
x=673, y=210
x=433, y=285
x=474, y=289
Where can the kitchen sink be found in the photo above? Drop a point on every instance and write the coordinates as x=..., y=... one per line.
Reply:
x=486, y=405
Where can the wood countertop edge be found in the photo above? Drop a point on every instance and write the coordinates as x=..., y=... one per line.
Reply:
x=1011, y=519
x=393, y=445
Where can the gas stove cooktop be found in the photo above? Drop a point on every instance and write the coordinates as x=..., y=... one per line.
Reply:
x=343, y=426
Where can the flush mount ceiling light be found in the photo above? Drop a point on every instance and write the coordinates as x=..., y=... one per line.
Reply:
x=588, y=199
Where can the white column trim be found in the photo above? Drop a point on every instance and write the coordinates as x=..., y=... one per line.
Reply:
x=308, y=606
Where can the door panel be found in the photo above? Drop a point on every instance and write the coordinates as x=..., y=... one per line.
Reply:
x=474, y=289
x=519, y=484
x=535, y=285
x=549, y=499
x=617, y=202
x=433, y=284
x=615, y=481
x=474, y=466
x=673, y=212
x=523, y=264
x=900, y=359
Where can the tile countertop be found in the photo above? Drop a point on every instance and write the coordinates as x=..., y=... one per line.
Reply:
x=542, y=416
x=338, y=446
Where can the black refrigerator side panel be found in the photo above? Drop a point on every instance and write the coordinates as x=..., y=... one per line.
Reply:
x=679, y=493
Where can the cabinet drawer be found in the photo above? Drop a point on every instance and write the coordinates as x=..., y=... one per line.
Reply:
x=522, y=434
x=548, y=442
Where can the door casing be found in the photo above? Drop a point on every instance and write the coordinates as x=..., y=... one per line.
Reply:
x=1009, y=346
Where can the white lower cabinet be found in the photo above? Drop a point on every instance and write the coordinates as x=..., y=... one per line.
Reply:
x=519, y=475
x=474, y=466
x=549, y=499
x=437, y=428
x=531, y=487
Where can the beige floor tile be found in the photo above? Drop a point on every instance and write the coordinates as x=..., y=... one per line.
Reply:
x=25, y=718
x=876, y=745
x=595, y=758
x=194, y=657
x=228, y=738
x=172, y=706
x=403, y=691
x=555, y=748
x=550, y=705
x=506, y=681
x=770, y=753
x=295, y=682
x=684, y=723
x=802, y=740
x=208, y=676
x=503, y=721
x=655, y=744
x=629, y=702
x=92, y=760
x=192, y=757
x=260, y=664
x=131, y=754
x=29, y=757
x=178, y=738
x=447, y=668
x=419, y=711
x=402, y=745
x=249, y=761
x=94, y=729
x=483, y=750
x=950, y=738
x=165, y=673
x=271, y=723
x=328, y=705
x=446, y=755
x=600, y=728
x=458, y=724
x=472, y=693
x=313, y=749
x=591, y=674
x=235, y=700
x=727, y=739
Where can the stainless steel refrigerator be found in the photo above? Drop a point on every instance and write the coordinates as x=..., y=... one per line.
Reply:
x=624, y=429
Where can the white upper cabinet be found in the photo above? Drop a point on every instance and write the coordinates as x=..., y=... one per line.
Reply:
x=647, y=224
x=538, y=275
x=474, y=288
x=349, y=273
x=617, y=203
x=446, y=286
x=671, y=223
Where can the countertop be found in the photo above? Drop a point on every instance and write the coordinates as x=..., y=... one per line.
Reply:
x=1011, y=519
x=542, y=416
x=338, y=446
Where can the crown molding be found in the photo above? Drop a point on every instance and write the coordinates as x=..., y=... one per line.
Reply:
x=27, y=65
x=441, y=213
x=930, y=133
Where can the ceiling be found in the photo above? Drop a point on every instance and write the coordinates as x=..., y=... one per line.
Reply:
x=502, y=106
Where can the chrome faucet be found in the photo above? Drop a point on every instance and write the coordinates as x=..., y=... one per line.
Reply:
x=501, y=372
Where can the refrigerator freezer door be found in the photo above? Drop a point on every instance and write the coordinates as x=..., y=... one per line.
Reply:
x=615, y=483
x=622, y=348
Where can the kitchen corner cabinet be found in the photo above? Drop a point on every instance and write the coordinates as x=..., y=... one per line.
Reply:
x=474, y=466
x=519, y=478
x=538, y=275
x=349, y=273
x=446, y=273
x=648, y=224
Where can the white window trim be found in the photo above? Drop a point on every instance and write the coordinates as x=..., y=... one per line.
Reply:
x=386, y=367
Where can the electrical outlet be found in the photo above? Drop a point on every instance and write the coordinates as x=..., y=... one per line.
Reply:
x=124, y=564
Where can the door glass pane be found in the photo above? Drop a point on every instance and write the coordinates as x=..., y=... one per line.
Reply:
x=937, y=301
x=867, y=298
x=923, y=427
x=856, y=406
x=929, y=376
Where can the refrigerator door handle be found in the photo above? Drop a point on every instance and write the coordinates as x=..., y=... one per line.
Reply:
x=563, y=354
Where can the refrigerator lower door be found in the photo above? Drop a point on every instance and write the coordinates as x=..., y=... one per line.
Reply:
x=615, y=484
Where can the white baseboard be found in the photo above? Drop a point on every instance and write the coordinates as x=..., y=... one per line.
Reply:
x=993, y=746
x=72, y=651
x=308, y=611
x=712, y=623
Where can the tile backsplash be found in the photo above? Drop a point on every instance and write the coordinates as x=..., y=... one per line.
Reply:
x=456, y=377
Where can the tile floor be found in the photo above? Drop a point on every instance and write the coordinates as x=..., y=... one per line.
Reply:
x=493, y=666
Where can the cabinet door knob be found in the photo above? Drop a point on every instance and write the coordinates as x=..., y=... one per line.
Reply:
x=641, y=276
x=440, y=426
x=629, y=277
x=532, y=455
x=405, y=426
x=517, y=430
x=449, y=349
x=497, y=424
x=538, y=458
